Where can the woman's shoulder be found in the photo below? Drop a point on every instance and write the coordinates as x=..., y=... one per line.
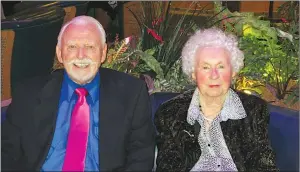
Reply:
x=250, y=101
x=175, y=108
x=255, y=107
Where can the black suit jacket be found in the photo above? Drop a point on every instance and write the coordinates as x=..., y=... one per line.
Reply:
x=246, y=139
x=127, y=138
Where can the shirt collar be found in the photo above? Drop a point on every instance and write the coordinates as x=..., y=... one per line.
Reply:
x=92, y=87
x=232, y=108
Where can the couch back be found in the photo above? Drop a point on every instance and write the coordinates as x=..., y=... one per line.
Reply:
x=283, y=132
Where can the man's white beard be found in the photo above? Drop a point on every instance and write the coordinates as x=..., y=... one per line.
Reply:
x=82, y=77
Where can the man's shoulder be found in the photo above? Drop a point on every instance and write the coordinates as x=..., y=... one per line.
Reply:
x=35, y=83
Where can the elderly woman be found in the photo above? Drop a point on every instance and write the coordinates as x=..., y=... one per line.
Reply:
x=213, y=128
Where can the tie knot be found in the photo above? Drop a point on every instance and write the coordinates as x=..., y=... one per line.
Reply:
x=81, y=92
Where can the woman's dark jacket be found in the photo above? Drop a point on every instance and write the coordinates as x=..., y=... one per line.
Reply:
x=246, y=139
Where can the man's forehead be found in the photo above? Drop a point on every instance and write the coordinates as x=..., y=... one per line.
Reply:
x=73, y=31
x=82, y=27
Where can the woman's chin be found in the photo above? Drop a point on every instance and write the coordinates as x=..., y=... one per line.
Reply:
x=214, y=93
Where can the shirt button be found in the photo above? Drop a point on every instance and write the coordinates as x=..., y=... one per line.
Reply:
x=219, y=165
x=208, y=145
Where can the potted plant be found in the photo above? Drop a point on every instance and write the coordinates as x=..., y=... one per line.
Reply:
x=271, y=67
x=271, y=55
x=156, y=53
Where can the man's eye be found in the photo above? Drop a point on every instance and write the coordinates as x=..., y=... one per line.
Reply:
x=205, y=67
x=71, y=46
x=89, y=47
x=221, y=67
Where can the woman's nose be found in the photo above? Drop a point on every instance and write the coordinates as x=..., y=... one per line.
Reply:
x=214, y=74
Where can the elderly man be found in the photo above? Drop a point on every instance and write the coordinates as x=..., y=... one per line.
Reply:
x=82, y=118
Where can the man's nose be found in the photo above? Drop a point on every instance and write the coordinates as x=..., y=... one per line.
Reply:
x=81, y=53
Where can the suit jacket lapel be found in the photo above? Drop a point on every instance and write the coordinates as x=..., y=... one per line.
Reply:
x=229, y=129
x=103, y=119
x=45, y=113
x=109, y=124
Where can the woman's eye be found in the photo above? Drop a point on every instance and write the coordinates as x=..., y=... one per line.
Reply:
x=205, y=67
x=221, y=67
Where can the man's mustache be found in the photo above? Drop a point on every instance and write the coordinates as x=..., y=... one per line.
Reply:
x=81, y=61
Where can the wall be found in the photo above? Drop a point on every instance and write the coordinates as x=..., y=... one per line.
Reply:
x=131, y=27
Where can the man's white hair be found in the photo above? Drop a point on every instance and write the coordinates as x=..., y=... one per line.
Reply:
x=82, y=20
x=212, y=37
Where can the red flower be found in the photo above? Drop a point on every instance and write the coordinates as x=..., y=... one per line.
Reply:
x=134, y=63
x=284, y=20
x=155, y=35
x=153, y=23
x=223, y=24
x=128, y=39
x=157, y=22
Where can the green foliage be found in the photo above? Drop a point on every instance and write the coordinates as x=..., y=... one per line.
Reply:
x=175, y=80
x=271, y=54
x=290, y=11
x=159, y=47
x=245, y=84
x=135, y=62
x=172, y=29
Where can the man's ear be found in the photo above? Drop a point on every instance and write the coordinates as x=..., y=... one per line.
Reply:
x=58, y=54
x=104, y=53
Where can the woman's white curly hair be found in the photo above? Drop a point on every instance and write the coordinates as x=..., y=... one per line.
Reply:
x=212, y=37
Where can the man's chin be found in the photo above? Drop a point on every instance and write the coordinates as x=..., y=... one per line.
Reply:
x=83, y=81
x=81, y=78
x=81, y=75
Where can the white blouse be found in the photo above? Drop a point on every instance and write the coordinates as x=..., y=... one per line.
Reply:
x=215, y=155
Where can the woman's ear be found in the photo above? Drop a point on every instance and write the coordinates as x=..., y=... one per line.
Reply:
x=233, y=78
x=233, y=74
x=194, y=76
